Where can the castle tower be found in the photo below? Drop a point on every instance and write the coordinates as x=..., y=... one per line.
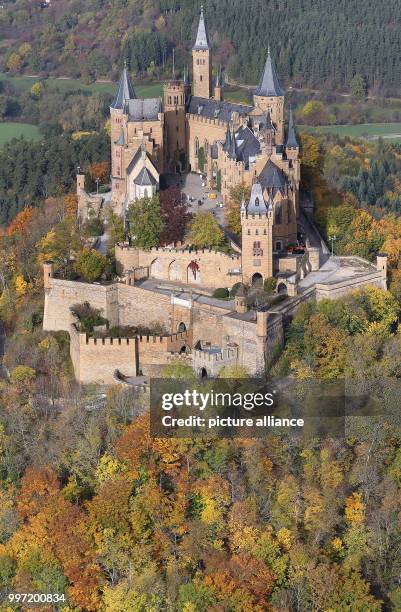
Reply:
x=202, y=62
x=119, y=127
x=269, y=97
x=257, y=237
x=174, y=121
x=218, y=86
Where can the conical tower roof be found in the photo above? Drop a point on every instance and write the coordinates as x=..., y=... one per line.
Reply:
x=125, y=91
x=202, y=39
x=291, y=142
x=233, y=152
x=227, y=144
x=269, y=84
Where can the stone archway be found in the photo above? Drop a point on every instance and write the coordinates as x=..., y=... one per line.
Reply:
x=257, y=280
x=156, y=268
x=193, y=273
x=282, y=288
x=181, y=327
x=203, y=373
x=174, y=270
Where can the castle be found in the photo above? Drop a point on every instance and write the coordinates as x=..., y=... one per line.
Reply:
x=195, y=129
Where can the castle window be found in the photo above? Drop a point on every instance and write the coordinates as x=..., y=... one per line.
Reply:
x=117, y=186
x=175, y=99
x=206, y=147
x=196, y=146
x=201, y=78
x=176, y=128
x=256, y=201
x=264, y=232
x=257, y=232
x=249, y=232
x=197, y=62
x=278, y=213
x=257, y=251
x=289, y=212
x=169, y=100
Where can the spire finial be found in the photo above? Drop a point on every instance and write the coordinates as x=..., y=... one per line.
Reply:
x=125, y=63
x=268, y=49
x=174, y=63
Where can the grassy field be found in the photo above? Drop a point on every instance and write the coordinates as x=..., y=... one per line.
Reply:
x=15, y=130
x=24, y=83
x=388, y=131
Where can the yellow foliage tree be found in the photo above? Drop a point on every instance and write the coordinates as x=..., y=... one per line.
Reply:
x=21, y=286
x=355, y=509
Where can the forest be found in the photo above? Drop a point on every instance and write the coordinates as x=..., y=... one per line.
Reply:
x=94, y=508
x=312, y=42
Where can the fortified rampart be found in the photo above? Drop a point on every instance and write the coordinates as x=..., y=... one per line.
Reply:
x=97, y=359
x=194, y=267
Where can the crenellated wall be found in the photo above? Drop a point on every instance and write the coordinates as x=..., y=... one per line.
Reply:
x=215, y=269
x=96, y=360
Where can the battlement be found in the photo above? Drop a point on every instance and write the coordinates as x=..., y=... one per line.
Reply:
x=207, y=120
x=209, y=356
x=179, y=251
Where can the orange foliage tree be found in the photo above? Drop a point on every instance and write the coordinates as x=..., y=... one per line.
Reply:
x=21, y=221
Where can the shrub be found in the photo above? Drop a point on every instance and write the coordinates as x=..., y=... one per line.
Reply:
x=269, y=285
x=221, y=293
x=90, y=264
x=234, y=289
x=22, y=374
x=93, y=227
x=87, y=316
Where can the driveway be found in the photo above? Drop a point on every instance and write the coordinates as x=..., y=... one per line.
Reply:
x=192, y=187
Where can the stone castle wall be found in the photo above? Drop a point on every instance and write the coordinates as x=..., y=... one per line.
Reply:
x=335, y=290
x=215, y=269
x=97, y=359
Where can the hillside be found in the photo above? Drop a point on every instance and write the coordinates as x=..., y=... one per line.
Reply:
x=313, y=41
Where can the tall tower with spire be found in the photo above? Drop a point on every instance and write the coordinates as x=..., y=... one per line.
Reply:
x=202, y=62
x=269, y=98
x=119, y=130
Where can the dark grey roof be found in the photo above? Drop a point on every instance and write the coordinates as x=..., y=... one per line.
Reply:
x=121, y=140
x=227, y=143
x=272, y=177
x=202, y=39
x=136, y=158
x=147, y=109
x=269, y=84
x=233, y=150
x=145, y=179
x=214, y=109
x=291, y=142
x=125, y=91
x=247, y=144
